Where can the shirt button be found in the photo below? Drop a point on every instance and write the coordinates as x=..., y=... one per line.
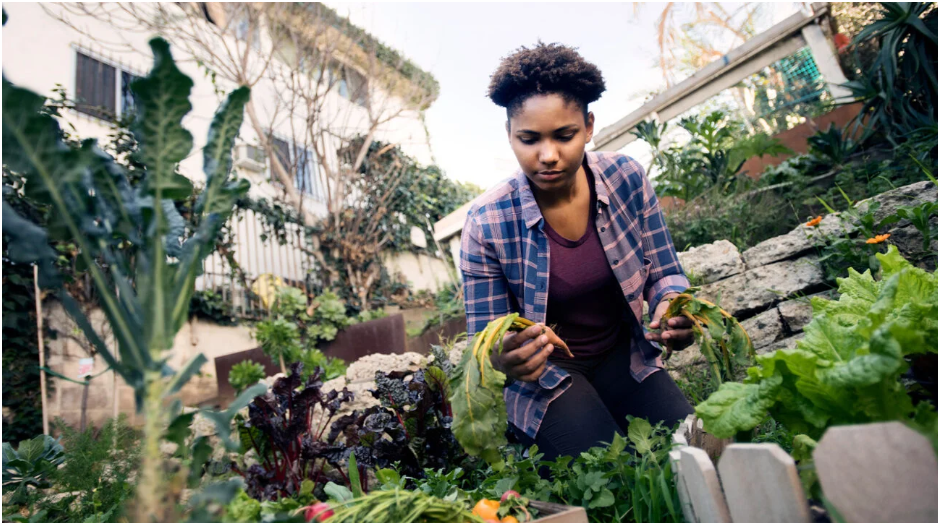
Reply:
x=616, y=261
x=603, y=229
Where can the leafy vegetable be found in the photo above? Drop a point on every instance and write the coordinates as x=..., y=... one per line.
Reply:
x=480, y=418
x=244, y=374
x=31, y=464
x=402, y=506
x=847, y=369
x=713, y=327
x=286, y=427
x=418, y=403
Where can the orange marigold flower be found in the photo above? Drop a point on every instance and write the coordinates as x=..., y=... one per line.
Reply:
x=878, y=239
x=815, y=222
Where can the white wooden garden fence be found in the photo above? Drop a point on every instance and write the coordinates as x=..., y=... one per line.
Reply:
x=879, y=472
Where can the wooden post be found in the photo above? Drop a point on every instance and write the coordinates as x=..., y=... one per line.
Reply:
x=42, y=350
x=700, y=481
x=761, y=484
x=879, y=472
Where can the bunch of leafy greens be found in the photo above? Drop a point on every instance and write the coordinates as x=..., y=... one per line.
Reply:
x=847, y=369
x=722, y=340
x=142, y=255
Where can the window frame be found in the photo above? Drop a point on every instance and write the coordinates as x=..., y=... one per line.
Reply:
x=120, y=70
x=306, y=178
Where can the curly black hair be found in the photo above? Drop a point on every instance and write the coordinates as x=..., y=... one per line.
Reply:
x=545, y=69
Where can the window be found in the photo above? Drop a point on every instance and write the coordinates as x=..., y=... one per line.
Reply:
x=127, y=97
x=349, y=83
x=301, y=163
x=95, y=88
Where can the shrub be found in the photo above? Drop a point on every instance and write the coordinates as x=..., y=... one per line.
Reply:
x=244, y=374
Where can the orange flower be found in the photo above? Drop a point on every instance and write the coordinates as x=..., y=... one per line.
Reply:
x=878, y=239
x=815, y=222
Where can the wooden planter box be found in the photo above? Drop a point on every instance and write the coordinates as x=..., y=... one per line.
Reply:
x=556, y=513
x=878, y=472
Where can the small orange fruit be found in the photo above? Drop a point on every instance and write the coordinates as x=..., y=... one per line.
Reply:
x=509, y=519
x=487, y=509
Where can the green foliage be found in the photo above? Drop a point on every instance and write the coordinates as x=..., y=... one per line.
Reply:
x=211, y=305
x=899, y=89
x=295, y=341
x=244, y=374
x=711, y=159
x=242, y=509
x=831, y=146
x=141, y=255
x=401, y=506
x=847, y=368
x=279, y=339
x=31, y=464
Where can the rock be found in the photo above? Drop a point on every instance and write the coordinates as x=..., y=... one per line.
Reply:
x=712, y=262
x=759, y=288
x=910, y=242
x=364, y=369
x=797, y=313
x=764, y=328
x=788, y=343
x=685, y=358
x=890, y=201
x=456, y=353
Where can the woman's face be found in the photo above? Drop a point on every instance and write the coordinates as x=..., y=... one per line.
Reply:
x=548, y=136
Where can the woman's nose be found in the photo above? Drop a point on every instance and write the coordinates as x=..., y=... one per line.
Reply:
x=548, y=155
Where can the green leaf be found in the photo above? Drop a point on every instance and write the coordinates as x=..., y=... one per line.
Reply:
x=184, y=375
x=387, y=476
x=337, y=492
x=639, y=433
x=354, y=482
x=735, y=407
x=604, y=498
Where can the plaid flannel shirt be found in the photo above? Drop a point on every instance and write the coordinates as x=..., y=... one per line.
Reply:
x=504, y=259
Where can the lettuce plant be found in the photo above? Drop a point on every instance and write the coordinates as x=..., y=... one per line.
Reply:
x=847, y=368
x=142, y=256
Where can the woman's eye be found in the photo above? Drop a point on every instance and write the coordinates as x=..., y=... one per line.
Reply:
x=533, y=141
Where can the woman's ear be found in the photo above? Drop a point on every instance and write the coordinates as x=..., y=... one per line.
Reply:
x=589, y=127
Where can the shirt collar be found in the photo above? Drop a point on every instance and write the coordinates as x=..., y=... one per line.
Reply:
x=531, y=213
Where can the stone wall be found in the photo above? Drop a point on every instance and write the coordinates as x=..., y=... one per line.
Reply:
x=769, y=285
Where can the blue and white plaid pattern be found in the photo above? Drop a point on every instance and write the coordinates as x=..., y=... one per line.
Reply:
x=504, y=259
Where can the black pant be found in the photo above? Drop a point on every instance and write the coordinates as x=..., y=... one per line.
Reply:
x=595, y=406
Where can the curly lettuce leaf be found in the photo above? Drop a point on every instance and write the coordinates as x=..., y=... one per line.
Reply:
x=847, y=368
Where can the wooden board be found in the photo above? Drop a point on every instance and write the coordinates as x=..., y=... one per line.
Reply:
x=556, y=513
x=700, y=481
x=761, y=485
x=880, y=472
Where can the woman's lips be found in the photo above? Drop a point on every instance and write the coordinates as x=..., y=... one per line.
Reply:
x=550, y=175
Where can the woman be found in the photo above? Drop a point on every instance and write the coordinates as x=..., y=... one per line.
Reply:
x=576, y=241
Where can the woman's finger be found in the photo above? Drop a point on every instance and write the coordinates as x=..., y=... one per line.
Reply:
x=679, y=322
x=654, y=336
x=678, y=335
x=534, y=363
x=521, y=355
x=514, y=340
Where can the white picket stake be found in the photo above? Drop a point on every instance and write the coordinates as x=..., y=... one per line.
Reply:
x=879, y=472
x=761, y=484
x=697, y=476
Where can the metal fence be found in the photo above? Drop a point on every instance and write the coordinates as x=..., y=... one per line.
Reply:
x=257, y=252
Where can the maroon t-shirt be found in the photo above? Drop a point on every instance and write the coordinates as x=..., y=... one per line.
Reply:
x=585, y=302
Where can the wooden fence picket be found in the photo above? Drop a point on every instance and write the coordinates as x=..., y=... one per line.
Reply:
x=700, y=482
x=879, y=472
x=761, y=484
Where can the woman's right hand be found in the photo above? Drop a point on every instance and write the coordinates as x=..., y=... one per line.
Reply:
x=524, y=353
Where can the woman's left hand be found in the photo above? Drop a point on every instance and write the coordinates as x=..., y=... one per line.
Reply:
x=678, y=330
